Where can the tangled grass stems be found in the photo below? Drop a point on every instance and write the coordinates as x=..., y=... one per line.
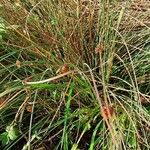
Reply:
x=63, y=103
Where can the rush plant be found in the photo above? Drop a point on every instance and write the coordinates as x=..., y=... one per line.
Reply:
x=74, y=74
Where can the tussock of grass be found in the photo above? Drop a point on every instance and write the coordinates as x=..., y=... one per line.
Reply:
x=74, y=74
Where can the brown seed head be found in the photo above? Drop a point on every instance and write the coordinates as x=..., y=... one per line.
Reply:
x=99, y=48
x=29, y=108
x=64, y=69
x=107, y=112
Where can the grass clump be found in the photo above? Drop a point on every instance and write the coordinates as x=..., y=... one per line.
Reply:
x=74, y=75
